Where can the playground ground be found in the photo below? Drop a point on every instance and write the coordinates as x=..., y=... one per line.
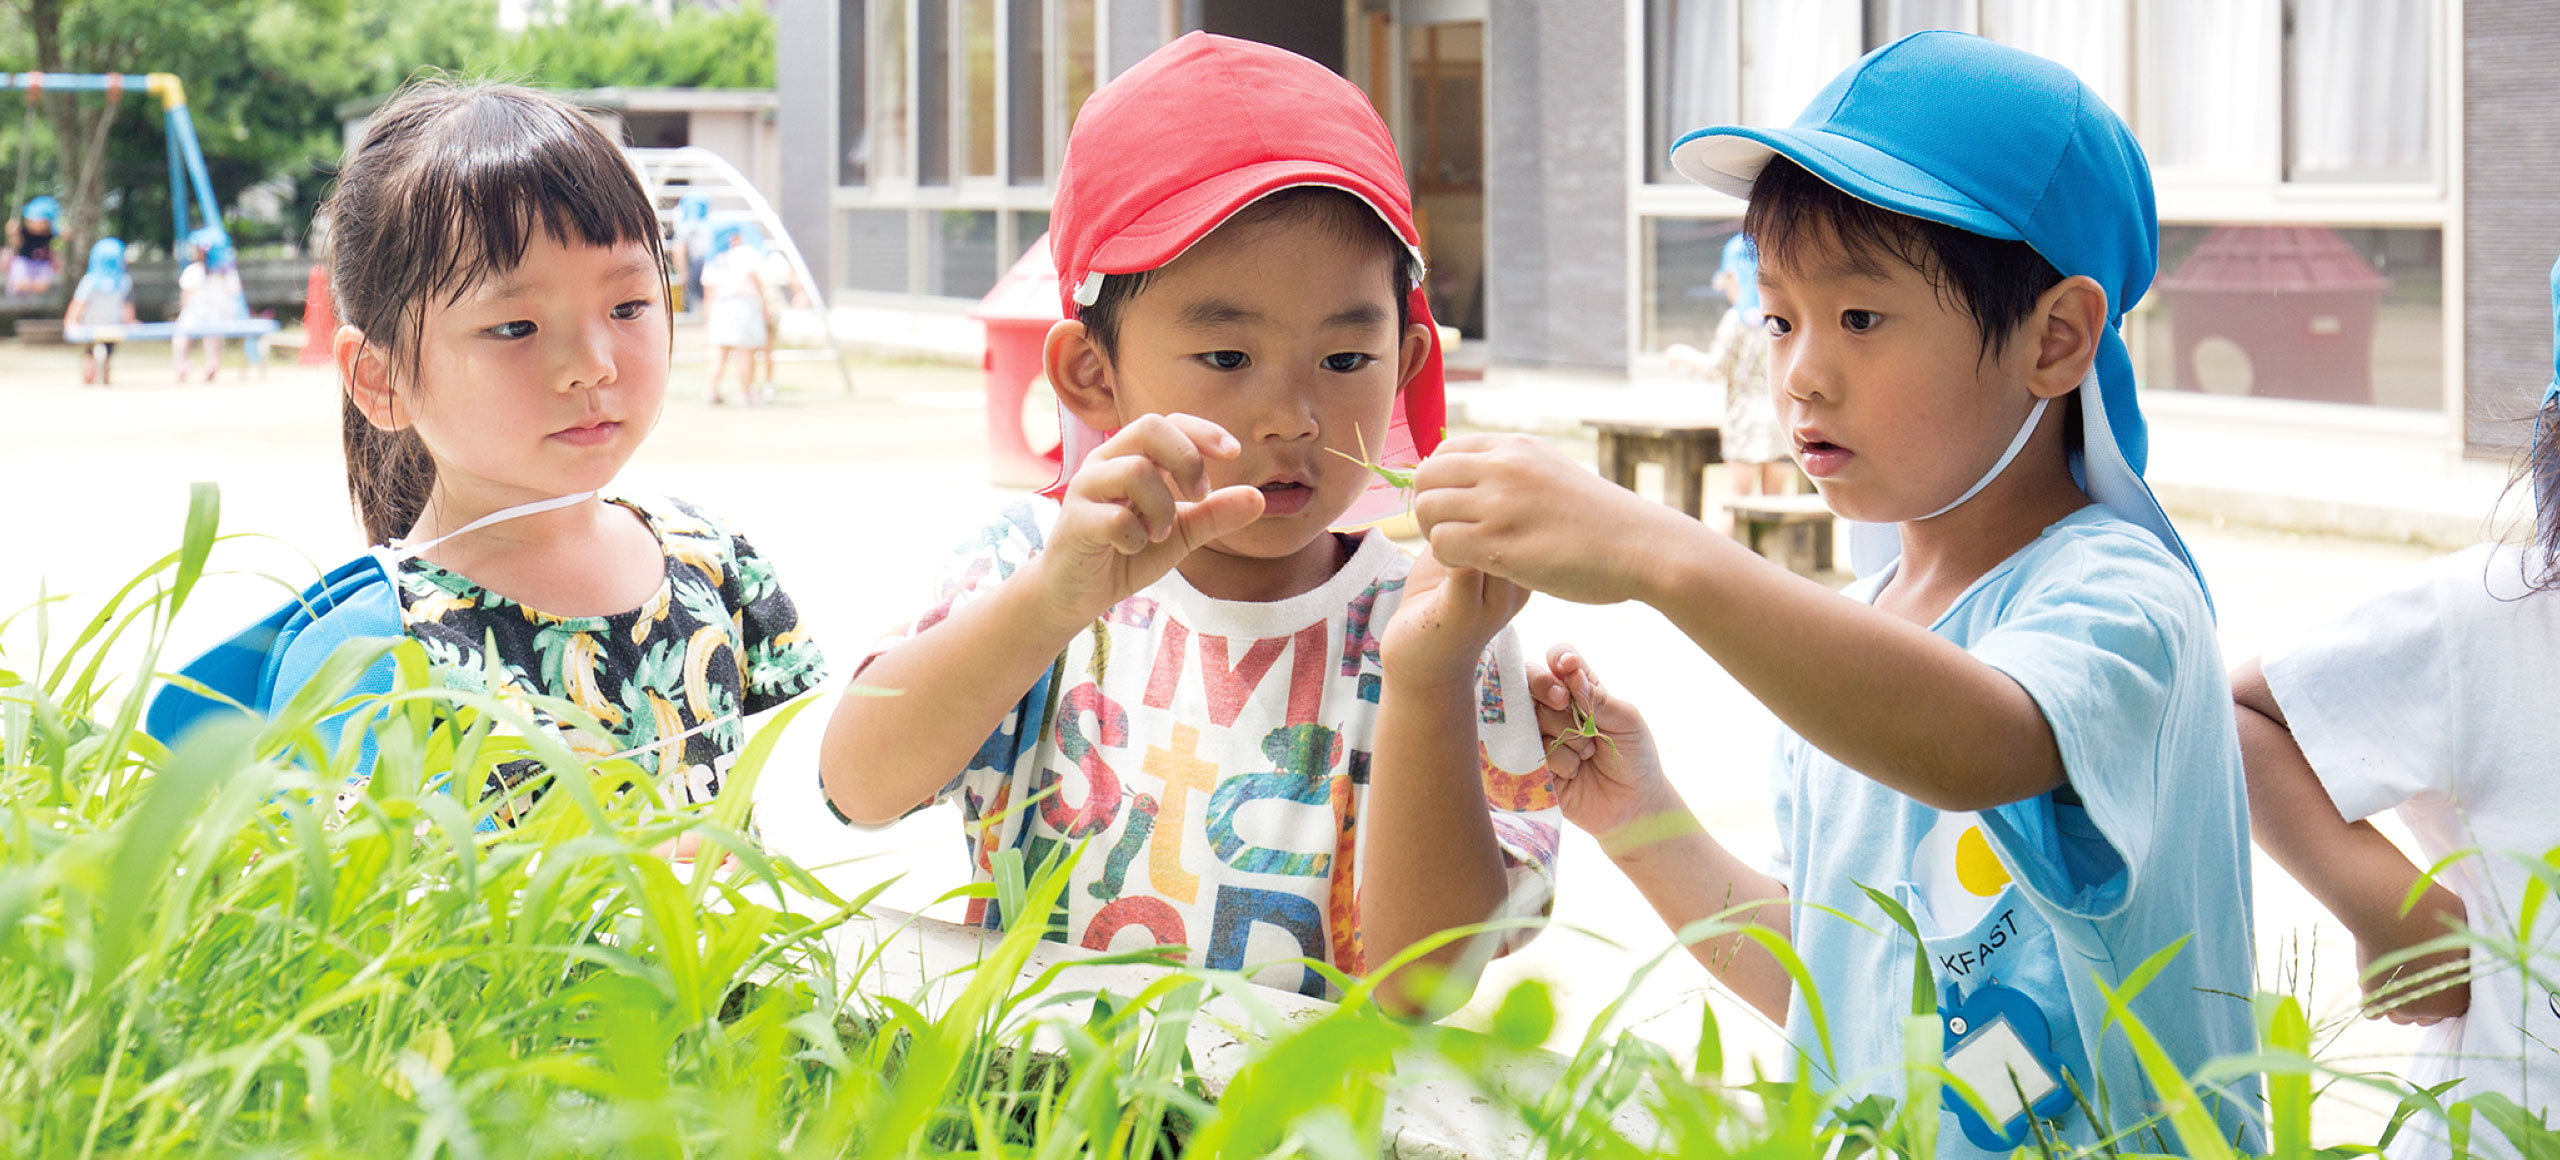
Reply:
x=857, y=496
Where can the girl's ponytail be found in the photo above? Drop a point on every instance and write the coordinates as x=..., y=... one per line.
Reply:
x=389, y=474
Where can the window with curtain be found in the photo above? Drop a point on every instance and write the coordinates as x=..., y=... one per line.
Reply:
x=2086, y=36
x=1693, y=71
x=1796, y=46
x=977, y=68
x=853, y=126
x=889, y=151
x=2206, y=67
x=1891, y=20
x=2359, y=90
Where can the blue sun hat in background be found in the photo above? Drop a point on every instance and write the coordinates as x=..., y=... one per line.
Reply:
x=1996, y=141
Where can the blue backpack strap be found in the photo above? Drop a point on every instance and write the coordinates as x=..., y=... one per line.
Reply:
x=363, y=604
x=262, y=666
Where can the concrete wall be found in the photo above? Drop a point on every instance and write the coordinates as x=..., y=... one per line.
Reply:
x=1556, y=185
x=2511, y=215
x=805, y=75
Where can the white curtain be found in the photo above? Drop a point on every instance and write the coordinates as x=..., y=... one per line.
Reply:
x=2360, y=100
x=2208, y=71
x=2086, y=36
x=1791, y=48
x=1691, y=63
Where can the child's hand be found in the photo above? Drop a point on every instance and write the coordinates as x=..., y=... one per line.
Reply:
x=1608, y=777
x=1514, y=506
x=2421, y=991
x=1446, y=619
x=1135, y=508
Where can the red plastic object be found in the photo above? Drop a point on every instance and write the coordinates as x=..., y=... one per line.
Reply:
x=1018, y=314
x=2297, y=300
x=319, y=317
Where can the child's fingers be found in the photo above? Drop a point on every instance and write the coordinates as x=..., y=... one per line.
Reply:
x=1225, y=512
x=1181, y=445
x=1545, y=690
x=1138, y=487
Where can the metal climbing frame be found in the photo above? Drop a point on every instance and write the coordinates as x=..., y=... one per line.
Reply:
x=670, y=174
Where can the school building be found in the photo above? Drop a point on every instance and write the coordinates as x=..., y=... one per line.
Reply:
x=2359, y=199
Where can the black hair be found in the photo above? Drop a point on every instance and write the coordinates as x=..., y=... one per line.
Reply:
x=447, y=189
x=1350, y=218
x=1994, y=281
x=2542, y=474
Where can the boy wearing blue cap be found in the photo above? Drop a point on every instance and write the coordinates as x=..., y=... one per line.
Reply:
x=2019, y=732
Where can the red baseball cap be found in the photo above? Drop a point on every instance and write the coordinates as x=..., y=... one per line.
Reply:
x=1203, y=127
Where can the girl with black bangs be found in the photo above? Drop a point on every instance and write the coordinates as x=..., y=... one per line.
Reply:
x=505, y=351
x=2432, y=700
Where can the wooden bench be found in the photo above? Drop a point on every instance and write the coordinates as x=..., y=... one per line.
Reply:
x=1683, y=449
x=1793, y=531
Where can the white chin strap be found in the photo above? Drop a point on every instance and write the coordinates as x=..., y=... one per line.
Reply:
x=398, y=550
x=2015, y=446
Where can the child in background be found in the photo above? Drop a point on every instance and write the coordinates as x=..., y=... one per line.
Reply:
x=208, y=295
x=104, y=297
x=734, y=316
x=2432, y=700
x=33, y=264
x=1738, y=359
x=2020, y=733
x=1273, y=739
x=504, y=352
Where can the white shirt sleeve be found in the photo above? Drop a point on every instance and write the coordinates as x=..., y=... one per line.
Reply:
x=2370, y=699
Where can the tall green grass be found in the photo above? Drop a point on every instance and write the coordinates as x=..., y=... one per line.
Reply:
x=203, y=954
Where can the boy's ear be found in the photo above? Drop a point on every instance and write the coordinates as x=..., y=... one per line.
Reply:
x=366, y=372
x=1411, y=353
x=1081, y=375
x=2069, y=320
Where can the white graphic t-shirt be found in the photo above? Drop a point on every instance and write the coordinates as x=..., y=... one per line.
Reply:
x=1215, y=757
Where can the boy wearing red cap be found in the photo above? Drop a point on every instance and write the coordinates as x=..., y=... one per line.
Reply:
x=1278, y=740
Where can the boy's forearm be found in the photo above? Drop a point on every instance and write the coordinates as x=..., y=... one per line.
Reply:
x=1431, y=859
x=952, y=685
x=1686, y=875
x=1887, y=698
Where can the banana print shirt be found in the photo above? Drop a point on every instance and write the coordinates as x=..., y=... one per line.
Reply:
x=718, y=642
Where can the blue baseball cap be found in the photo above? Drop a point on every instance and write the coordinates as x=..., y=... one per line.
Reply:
x=1742, y=260
x=1993, y=140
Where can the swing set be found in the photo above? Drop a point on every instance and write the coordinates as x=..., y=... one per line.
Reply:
x=190, y=194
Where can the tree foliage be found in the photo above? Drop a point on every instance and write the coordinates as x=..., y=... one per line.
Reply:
x=265, y=83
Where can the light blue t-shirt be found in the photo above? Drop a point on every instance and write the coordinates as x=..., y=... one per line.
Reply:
x=2026, y=907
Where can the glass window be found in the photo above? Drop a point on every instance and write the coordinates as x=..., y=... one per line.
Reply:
x=2322, y=313
x=962, y=261
x=853, y=128
x=2358, y=90
x=933, y=92
x=978, y=110
x=2206, y=66
x=1028, y=225
x=1797, y=46
x=1681, y=303
x=1692, y=75
x=875, y=249
x=2087, y=36
x=1891, y=20
x=1027, y=71
x=888, y=151
x=1080, y=34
